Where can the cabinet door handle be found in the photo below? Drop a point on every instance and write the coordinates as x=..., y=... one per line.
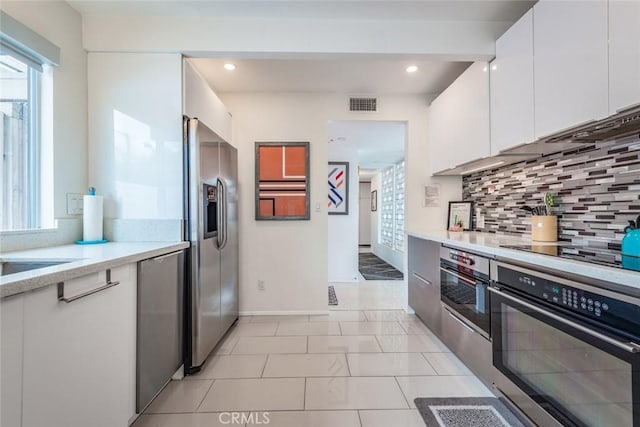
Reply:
x=463, y=323
x=107, y=285
x=422, y=279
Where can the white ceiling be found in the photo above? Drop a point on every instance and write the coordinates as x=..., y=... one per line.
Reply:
x=379, y=143
x=351, y=75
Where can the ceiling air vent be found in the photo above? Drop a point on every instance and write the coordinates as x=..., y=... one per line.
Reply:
x=363, y=104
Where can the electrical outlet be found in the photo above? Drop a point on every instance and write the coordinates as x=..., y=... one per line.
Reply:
x=261, y=286
x=74, y=204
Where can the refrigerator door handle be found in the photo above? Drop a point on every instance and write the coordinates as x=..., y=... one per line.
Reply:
x=222, y=217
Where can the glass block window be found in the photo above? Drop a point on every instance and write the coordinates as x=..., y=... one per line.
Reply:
x=392, y=207
x=399, y=207
x=386, y=207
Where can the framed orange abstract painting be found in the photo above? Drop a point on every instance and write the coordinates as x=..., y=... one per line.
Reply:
x=282, y=180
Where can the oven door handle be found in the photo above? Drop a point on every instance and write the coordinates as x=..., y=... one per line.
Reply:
x=631, y=347
x=464, y=279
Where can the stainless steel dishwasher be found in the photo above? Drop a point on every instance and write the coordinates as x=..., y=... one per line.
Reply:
x=160, y=337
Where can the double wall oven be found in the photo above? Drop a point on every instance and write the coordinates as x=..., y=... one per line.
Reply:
x=566, y=352
x=464, y=283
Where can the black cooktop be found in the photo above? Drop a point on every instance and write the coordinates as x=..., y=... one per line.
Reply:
x=610, y=257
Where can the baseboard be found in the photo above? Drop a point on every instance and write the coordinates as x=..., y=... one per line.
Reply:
x=284, y=313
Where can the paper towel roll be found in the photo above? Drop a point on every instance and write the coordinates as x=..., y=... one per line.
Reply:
x=92, y=218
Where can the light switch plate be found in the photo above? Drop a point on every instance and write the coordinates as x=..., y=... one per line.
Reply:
x=74, y=204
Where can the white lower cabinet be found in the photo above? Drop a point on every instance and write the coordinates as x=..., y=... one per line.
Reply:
x=79, y=356
x=11, y=331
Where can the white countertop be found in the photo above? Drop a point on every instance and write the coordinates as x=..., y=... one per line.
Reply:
x=490, y=243
x=85, y=259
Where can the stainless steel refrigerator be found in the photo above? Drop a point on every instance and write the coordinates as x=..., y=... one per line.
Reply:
x=211, y=226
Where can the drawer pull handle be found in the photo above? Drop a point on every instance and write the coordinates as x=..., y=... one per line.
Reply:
x=422, y=279
x=108, y=285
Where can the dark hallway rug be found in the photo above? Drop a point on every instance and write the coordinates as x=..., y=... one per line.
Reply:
x=373, y=268
x=333, y=300
x=466, y=412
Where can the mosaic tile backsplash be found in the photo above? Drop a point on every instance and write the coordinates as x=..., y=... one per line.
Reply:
x=596, y=189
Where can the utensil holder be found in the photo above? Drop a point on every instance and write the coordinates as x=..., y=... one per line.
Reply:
x=544, y=228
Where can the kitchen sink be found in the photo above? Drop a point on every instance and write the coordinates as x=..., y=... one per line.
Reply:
x=12, y=267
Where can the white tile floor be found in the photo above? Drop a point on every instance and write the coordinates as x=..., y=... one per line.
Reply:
x=360, y=366
x=301, y=374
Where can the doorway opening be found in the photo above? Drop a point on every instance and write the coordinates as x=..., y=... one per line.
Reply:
x=366, y=247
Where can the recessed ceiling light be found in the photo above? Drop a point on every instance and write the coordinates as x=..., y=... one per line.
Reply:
x=229, y=66
x=412, y=68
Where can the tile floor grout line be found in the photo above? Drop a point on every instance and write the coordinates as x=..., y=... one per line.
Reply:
x=359, y=418
x=402, y=391
x=429, y=363
x=304, y=396
x=204, y=396
x=379, y=344
x=234, y=346
x=348, y=367
x=266, y=360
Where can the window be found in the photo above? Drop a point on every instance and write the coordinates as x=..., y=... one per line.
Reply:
x=386, y=208
x=392, y=207
x=26, y=126
x=19, y=142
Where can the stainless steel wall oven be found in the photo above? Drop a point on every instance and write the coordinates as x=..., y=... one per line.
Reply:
x=464, y=282
x=566, y=351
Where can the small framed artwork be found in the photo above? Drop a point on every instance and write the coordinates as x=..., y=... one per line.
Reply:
x=374, y=200
x=460, y=215
x=338, y=190
x=282, y=181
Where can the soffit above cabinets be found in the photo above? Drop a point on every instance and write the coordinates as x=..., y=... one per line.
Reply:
x=431, y=10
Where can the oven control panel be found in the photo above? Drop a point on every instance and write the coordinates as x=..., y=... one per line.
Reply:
x=603, y=308
x=461, y=258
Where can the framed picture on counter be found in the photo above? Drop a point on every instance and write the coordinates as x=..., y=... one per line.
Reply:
x=460, y=216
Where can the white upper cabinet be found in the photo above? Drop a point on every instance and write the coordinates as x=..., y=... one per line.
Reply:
x=570, y=64
x=512, y=87
x=461, y=119
x=624, y=54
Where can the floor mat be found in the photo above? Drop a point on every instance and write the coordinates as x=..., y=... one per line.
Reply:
x=333, y=300
x=373, y=268
x=466, y=412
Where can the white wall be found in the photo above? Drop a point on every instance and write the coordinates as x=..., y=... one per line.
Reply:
x=135, y=134
x=62, y=26
x=342, y=239
x=364, y=216
x=292, y=256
